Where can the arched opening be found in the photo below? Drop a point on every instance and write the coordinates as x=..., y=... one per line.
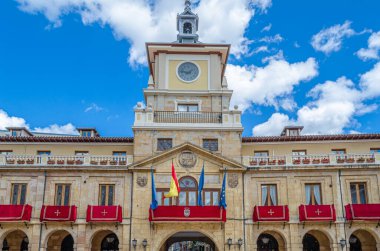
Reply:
x=16, y=240
x=60, y=240
x=270, y=241
x=316, y=241
x=189, y=191
x=105, y=240
x=193, y=241
x=362, y=240
x=187, y=28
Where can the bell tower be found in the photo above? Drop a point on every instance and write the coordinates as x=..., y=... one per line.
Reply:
x=187, y=25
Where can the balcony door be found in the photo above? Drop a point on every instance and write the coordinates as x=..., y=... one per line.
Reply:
x=189, y=191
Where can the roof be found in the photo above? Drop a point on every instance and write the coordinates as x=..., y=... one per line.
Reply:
x=66, y=139
x=311, y=138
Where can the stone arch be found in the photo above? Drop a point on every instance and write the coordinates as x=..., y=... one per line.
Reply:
x=98, y=237
x=15, y=239
x=362, y=239
x=279, y=237
x=54, y=239
x=323, y=238
x=161, y=244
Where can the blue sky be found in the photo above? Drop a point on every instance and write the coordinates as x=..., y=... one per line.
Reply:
x=67, y=62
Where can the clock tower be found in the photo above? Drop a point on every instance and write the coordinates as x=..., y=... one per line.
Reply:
x=187, y=98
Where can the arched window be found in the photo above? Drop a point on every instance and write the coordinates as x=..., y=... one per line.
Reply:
x=189, y=191
x=187, y=28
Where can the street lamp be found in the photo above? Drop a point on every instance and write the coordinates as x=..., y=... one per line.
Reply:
x=240, y=242
x=229, y=243
x=145, y=243
x=134, y=243
x=342, y=243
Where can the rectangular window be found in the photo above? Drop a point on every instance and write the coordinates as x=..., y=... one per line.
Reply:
x=269, y=195
x=62, y=194
x=299, y=153
x=338, y=151
x=119, y=153
x=18, y=194
x=106, y=195
x=294, y=132
x=161, y=200
x=15, y=133
x=313, y=194
x=261, y=154
x=43, y=152
x=211, y=198
x=375, y=150
x=164, y=144
x=81, y=153
x=358, y=193
x=86, y=133
x=210, y=144
x=187, y=108
x=6, y=152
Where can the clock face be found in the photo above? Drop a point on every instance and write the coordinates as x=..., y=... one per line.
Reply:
x=188, y=72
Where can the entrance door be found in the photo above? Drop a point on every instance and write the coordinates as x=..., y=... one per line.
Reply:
x=67, y=243
x=189, y=241
x=110, y=243
x=267, y=242
x=310, y=243
x=355, y=244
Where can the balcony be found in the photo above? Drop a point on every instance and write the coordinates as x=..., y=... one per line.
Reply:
x=15, y=213
x=366, y=212
x=58, y=213
x=317, y=213
x=187, y=214
x=104, y=214
x=188, y=117
x=56, y=160
x=271, y=213
x=312, y=160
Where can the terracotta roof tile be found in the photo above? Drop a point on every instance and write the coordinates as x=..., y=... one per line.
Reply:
x=312, y=138
x=70, y=139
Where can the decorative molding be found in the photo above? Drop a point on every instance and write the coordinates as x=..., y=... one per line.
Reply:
x=187, y=159
x=142, y=180
x=233, y=180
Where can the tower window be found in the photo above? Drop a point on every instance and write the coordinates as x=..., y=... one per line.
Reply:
x=210, y=144
x=164, y=144
x=187, y=28
x=188, y=108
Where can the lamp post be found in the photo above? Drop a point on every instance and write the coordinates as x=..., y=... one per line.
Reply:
x=342, y=243
x=134, y=243
x=240, y=242
x=145, y=243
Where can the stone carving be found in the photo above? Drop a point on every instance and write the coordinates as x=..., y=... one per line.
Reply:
x=233, y=180
x=187, y=159
x=142, y=180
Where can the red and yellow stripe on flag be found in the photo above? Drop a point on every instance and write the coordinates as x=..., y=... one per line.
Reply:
x=174, y=186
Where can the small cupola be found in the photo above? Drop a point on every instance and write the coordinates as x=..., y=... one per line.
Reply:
x=292, y=131
x=88, y=132
x=187, y=25
x=19, y=132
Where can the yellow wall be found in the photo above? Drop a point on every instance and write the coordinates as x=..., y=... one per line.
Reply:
x=200, y=84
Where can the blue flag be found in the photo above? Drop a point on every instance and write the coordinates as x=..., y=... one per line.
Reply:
x=154, y=203
x=200, y=186
x=222, y=201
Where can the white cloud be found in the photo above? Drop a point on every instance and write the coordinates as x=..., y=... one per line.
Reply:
x=333, y=108
x=272, y=39
x=330, y=39
x=267, y=85
x=372, y=52
x=267, y=28
x=155, y=21
x=10, y=121
x=278, y=56
x=94, y=107
x=58, y=129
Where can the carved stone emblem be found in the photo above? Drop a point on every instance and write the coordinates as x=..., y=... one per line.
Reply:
x=187, y=159
x=142, y=180
x=233, y=180
x=186, y=212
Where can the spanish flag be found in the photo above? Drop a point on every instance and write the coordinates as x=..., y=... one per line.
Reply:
x=174, y=187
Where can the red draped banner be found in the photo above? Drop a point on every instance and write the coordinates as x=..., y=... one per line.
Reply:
x=317, y=213
x=58, y=213
x=271, y=213
x=188, y=213
x=363, y=212
x=104, y=214
x=15, y=213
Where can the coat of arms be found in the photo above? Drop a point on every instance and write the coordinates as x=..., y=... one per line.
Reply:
x=187, y=159
x=186, y=212
x=142, y=180
x=233, y=180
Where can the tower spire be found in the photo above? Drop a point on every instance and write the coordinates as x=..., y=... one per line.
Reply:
x=187, y=25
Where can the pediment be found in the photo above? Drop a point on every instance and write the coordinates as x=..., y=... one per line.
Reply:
x=189, y=157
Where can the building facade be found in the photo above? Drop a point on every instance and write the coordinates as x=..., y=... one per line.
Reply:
x=289, y=192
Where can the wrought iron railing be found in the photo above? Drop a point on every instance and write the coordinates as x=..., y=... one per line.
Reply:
x=187, y=117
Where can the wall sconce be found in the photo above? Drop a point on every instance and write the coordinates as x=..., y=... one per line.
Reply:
x=342, y=243
x=145, y=243
x=134, y=243
x=229, y=243
x=240, y=242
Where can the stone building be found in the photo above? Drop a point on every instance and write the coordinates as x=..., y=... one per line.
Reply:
x=289, y=192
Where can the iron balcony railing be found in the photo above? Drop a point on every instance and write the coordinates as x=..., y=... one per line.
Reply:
x=187, y=117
